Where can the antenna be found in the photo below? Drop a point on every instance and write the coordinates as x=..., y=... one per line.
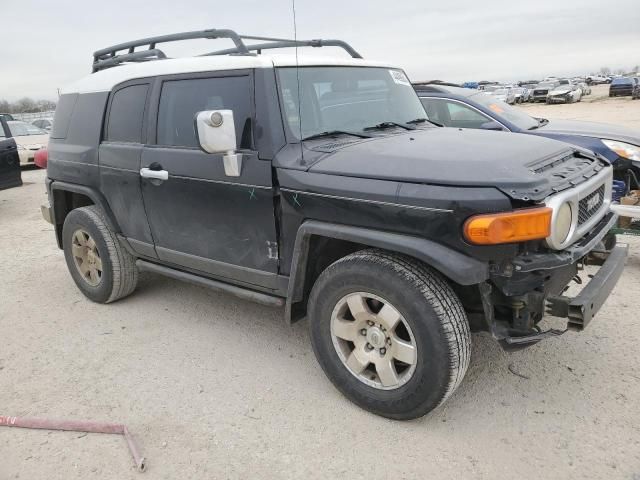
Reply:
x=295, y=37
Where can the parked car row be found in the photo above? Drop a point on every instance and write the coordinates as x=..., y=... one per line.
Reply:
x=550, y=90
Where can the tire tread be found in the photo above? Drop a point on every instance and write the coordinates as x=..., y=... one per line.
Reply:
x=437, y=292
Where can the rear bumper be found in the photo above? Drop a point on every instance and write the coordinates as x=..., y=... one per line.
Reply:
x=27, y=156
x=580, y=310
x=47, y=213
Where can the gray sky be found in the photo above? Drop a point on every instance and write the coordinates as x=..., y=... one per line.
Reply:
x=48, y=44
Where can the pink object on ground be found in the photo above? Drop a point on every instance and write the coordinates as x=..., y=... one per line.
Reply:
x=78, y=426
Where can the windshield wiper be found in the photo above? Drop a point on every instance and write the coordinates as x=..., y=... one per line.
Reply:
x=336, y=132
x=383, y=125
x=422, y=120
x=541, y=122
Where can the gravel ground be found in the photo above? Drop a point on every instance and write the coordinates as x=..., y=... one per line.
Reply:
x=215, y=387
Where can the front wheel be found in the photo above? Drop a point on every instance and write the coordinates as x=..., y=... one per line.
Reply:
x=389, y=332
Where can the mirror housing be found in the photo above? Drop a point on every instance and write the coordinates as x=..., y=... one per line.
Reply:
x=217, y=134
x=492, y=125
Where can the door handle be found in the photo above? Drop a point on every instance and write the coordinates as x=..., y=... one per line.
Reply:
x=155, y=174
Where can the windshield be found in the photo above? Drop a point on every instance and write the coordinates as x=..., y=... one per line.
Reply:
x=620, y=81
x=546, y=85
x=348, y=99
x=500, y=91
x=505, y=111
x=20, y=129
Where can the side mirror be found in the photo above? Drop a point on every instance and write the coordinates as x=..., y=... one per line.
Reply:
x=492, y=125
x=217, y=134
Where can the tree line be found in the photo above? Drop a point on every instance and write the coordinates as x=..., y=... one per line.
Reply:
x=619, y=71
x=26, y=105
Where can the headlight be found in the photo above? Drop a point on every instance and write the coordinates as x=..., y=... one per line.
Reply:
x=563, y=223
x=625, y=150
x=559, y=92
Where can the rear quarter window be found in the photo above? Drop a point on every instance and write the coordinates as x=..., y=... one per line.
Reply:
x=126, y=114
x=62, y=118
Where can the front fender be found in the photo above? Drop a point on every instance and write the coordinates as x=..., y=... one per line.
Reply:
x=459, y=268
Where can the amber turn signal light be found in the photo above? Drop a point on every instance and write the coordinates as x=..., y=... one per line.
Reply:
x=509, y=227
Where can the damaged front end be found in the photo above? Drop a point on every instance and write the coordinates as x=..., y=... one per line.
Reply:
x=520, y=292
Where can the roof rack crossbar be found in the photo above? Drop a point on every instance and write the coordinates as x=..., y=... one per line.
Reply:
x=99, y=56
x=109, y=57
x=283, y=43
x=141, y=56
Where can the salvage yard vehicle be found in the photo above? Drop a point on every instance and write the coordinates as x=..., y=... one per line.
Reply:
x=10, y=175
x=29, y=139
x=44, y=123
x=541, y=90
x=619, y=145
x=318, y=185
x=622, y=86
x=565, y=93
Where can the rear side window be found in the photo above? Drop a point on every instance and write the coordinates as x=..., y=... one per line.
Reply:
x=181, y=100
x=64, y=110
x=126, y=114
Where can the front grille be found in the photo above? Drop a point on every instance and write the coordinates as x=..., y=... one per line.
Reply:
x=540, y=92
x=590, y=205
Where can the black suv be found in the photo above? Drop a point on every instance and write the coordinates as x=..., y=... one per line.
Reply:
x=319, y=186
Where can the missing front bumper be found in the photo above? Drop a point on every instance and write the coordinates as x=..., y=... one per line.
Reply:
x=580, y=310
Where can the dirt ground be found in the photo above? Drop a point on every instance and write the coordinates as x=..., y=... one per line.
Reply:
x=214, y=387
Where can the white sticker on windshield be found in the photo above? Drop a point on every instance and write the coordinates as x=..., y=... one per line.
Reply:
x=399, y=77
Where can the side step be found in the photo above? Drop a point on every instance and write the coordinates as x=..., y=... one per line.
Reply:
x=240, y=292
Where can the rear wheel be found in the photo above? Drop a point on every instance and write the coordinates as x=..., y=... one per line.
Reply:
x=389, y=332
x=101, y=268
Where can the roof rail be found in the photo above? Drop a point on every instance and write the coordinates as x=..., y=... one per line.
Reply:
x=109, y=57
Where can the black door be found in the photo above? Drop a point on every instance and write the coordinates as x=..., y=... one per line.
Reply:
x=10, y=175
x=200, y=218
x=119, y=157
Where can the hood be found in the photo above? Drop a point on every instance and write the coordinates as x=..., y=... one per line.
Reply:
x=592, y=129
x=524, y=167
x=26, y=140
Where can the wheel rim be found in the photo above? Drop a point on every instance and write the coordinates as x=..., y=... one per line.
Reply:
x=86, y=257
x=373, y=341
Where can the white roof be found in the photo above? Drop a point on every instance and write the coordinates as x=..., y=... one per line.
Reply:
x=105, y=80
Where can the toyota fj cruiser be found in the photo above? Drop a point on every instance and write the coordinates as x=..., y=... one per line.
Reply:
x=317, y=184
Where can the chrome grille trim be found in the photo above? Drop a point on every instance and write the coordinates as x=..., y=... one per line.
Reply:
x=578, y=197
x=590, y=205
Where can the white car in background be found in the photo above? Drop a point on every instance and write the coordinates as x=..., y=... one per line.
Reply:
x=28, y=138
x=505, y=95
x=567, y=93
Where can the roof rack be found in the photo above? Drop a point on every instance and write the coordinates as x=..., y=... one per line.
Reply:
x=109, y=57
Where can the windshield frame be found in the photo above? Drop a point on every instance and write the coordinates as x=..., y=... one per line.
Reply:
x=293, y=137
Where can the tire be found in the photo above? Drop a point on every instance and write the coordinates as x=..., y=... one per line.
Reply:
x=432, y=318
x=117, y=275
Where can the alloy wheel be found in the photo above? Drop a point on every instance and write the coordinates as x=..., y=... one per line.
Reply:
x=86, y=257
x=373, y=341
